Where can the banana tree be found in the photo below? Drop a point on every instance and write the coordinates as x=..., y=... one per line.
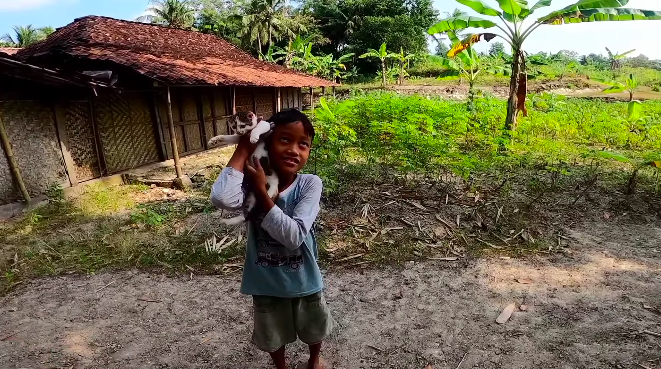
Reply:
x=615, y=58
x=630, y=86
x=511, y=18
x=470, y=66
x=382, y=54
x=403, y=59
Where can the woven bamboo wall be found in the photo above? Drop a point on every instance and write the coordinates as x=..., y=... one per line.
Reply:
x=80, y=136
x=214, y=112
x=291, y=98
x=126, y=130
x=8, y=192
x=244, y=99
x=265, y=101
x=31, y=129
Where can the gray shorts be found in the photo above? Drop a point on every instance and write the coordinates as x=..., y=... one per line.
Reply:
x=278, y=321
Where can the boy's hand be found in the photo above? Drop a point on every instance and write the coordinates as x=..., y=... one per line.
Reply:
x=243, y=151
x=255, y=174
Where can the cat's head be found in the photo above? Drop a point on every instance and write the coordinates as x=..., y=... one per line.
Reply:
x=243, y=122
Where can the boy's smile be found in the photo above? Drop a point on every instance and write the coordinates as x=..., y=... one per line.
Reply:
x=289, y=149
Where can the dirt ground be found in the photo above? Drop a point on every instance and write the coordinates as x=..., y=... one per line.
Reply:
x=597, y=306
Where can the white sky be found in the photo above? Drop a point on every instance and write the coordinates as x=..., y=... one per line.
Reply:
x=585, y=38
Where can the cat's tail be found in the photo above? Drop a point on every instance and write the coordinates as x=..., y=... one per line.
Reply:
x=234, y=221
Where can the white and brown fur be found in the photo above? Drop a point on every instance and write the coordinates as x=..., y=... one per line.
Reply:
x=241, y=124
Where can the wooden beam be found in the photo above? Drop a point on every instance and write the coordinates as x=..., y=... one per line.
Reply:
x=203, y=123
x=233, y=99
x=163, y=152
x=11, y=160
x=173, y=137
x=60, y=120
x=254, y=102
x=98, y=144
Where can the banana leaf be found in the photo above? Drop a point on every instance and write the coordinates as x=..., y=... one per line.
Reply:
x=540, y=4
x=468, y=42
x=635, y=109
x=600, y=15
x=513, y=7
x=480, y=7
x=460, y=22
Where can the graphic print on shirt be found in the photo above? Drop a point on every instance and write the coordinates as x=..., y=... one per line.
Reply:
x=270, y=253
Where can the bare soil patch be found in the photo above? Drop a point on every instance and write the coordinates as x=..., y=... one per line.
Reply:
x=596, y=307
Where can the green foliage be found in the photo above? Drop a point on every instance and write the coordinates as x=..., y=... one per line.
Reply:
x=25, y=36
x=427, y=136
x=148, y=216
x=55, y=193
x=172, y=13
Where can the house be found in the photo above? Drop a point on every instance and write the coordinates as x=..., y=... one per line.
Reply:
x=132, y=90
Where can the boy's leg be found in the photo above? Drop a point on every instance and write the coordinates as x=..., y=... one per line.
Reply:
x=279, y=358
x=313, y=324
x=315, y=350
x=273, y=326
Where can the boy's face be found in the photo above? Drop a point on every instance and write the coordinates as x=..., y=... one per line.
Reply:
x=289, y=148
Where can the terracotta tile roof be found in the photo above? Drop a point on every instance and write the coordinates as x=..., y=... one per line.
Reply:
x=172, y=56
x=9, y=50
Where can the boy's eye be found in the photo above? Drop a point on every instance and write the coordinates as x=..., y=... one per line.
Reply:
x=284, y=139
x=306, y=144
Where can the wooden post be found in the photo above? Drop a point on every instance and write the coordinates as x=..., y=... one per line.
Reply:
x=163, y=152
x=323, y=90
x=333, y=91
x=278, y=100
x=312, y=99
x=13, y=165
x=98, y=144
x=173, y=137
x=60, y=121
x=233, y=99
x=254, y=102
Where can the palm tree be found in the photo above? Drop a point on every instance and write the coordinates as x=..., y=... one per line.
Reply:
x=24, y=36
x=46, y=31
x=382, y=54
x=172, y=13
x=266, y=20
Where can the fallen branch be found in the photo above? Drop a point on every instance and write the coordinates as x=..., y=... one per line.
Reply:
x=104, y=287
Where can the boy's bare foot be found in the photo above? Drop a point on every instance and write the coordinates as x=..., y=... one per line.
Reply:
x=320, y=364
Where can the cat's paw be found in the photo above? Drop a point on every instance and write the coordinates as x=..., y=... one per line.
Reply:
x=254, y=140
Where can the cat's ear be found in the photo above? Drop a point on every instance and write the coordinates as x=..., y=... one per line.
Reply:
x=272, y=126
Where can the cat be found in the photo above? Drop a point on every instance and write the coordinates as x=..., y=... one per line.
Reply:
x=241, y=124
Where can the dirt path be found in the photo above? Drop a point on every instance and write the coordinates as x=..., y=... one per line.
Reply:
x=587, y=309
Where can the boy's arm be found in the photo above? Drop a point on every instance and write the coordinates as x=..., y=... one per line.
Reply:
x=227, y=191
x=292, y=231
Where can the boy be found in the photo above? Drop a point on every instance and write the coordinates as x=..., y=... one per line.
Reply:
x=280, y=269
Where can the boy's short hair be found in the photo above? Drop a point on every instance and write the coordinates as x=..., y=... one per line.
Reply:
x=292, y=115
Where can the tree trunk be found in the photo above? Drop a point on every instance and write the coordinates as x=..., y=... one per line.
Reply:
x=383, y=73
x=513, y=101
x=630, y=96
x=401, y=73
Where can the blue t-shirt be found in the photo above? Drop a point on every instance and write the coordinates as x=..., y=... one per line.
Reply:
x=281, y=252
